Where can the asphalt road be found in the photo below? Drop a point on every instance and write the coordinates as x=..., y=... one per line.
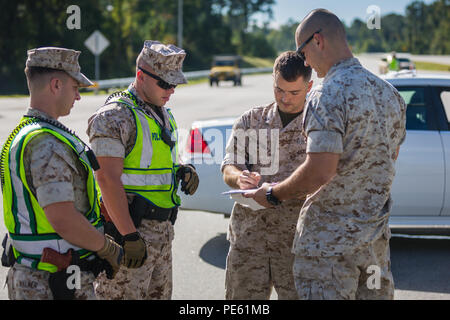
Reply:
x=420, y=266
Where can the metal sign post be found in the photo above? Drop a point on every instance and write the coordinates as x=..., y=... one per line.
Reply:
x=97, y=43
x=180, y=23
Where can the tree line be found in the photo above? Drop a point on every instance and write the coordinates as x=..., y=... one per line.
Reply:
x=423, y=29
x=209, y=27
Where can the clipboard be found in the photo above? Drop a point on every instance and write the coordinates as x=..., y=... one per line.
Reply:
x=238, y=196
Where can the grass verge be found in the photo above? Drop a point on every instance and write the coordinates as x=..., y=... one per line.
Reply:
x=431, y=66
x=253, y=62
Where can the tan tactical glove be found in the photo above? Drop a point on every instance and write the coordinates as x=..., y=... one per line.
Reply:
x=135, y=250
x=189, y=179
x=112, y=253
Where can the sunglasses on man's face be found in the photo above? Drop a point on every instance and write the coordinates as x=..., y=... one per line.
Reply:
x=161, y=83
x=303, y=45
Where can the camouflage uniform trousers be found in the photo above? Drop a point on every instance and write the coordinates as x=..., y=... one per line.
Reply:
x=252, y=275
x=25, y=283
x=347, y=277
x=152, y=281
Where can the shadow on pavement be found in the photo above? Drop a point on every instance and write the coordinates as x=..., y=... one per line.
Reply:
x=215, y=251
x=417, y=264
x=421, y=264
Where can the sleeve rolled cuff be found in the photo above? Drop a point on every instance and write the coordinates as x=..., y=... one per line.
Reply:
x=54, y=192
x=231, y=163
x=108, y=147
x=324, y=141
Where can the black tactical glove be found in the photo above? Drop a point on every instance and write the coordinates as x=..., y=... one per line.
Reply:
x=189, y=178
x=135, y=250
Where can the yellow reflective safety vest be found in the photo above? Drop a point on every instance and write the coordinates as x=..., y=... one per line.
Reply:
x=394, y=65
x=25, y=219
x=149, y=169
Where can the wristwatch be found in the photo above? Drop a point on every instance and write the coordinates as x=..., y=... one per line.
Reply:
x=271, y=198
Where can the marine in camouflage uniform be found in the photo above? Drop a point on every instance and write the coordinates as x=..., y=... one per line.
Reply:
x=260, y=255
x=354, y=123
x=112, y=132
x=54, y=175
x=343, y=229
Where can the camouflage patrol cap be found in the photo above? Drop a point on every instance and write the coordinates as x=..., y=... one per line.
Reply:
x=165, y=60
x=60, y=59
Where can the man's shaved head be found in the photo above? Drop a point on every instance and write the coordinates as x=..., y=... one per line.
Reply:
x=322, y=41
x=332, y=27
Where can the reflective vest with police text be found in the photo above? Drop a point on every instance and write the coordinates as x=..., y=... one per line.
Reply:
x=149, y=169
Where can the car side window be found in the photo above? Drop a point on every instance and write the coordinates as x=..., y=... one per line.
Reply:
x=418, y=110
x=445, y=99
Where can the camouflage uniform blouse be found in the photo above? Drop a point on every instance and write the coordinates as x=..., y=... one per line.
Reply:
x=280, y=152
x=362, y=118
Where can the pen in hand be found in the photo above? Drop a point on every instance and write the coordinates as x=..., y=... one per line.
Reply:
x=248, y=180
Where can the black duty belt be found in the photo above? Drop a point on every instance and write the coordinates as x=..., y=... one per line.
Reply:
x=143, y=209
x=160, y=214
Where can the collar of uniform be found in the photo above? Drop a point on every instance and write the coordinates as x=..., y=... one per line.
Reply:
x=148, y=109
x=341, y=65
x=38, y=113
x=276, y=121
x=273, y=117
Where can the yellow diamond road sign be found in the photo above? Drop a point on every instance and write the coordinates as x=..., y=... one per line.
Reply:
x=96, y=42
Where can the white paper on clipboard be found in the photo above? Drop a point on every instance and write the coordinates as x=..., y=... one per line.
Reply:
x=237, y=195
